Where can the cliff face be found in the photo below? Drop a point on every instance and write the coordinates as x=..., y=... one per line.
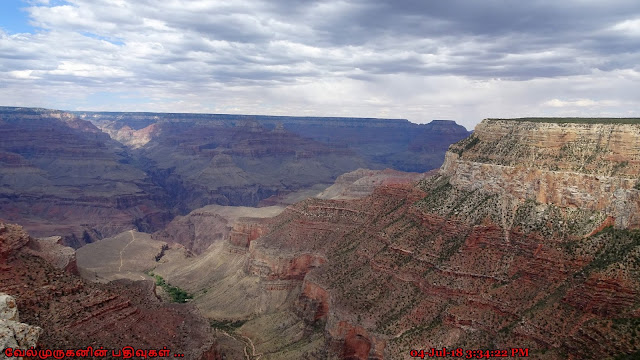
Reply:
x=475, y=257
x=60, y=175
x=75, y=314
x=236, y=160
x=593, y=167
x=394, y=143
x=203, y=227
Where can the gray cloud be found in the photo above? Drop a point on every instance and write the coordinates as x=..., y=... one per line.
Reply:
x=417, y=59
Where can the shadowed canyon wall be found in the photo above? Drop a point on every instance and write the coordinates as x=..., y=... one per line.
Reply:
x=86, y=176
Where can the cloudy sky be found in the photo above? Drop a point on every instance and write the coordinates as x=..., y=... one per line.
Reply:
x=415, y=59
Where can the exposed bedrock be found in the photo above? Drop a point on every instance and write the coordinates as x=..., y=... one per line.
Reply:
x=75, y=314
x=472, y=258
x=60, y=175
x=14, y=334
x=203, y=227
x=584, y=166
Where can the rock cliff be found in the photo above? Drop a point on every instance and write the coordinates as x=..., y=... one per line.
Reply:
x=236, y=160
x=475, y=257
x=593, y=166
x=60, y=175
x=74, y=314
x=88, y=175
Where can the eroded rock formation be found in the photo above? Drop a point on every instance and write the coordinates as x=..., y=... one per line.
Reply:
x=13, y=333
x=469, y=258
x=75, y=314
x=64, y=173
x=60, y=175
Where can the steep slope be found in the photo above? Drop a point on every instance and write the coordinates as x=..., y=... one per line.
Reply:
x=60, y=175
x=202, y=227
x=589, y=165
x=394, y=143
x=360, y=183
x=75, y=314
x=241, y=159
x=237, y=164
x=455, y=261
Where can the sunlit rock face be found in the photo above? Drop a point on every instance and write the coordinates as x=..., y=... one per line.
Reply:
x=590, y=166
x=474, y=255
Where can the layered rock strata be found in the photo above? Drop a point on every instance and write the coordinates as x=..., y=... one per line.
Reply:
x=202, y=227
x=590, y=166
x=476, y=257
x=74, y=314
x=203, y=159
x=60, y=175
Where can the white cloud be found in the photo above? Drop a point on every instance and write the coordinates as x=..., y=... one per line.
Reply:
x=628, y=27
x=421, y=60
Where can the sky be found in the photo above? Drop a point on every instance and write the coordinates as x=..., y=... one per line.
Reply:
x=414, y=59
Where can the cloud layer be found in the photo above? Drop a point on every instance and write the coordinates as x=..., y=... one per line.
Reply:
x=415, y=59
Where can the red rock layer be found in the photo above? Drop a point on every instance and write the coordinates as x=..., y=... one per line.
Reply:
x=398, y=278
x=76, y=314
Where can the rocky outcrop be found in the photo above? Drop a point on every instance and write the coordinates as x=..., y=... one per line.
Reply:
x=570, y=165
x=360, y=183
x=247, y=230
x=75, y=314
x=354, y=343
x=130, y=137
x=14, y=334
x=469, y=257
x=279, y=266
x=55, y=253
x=203, y=227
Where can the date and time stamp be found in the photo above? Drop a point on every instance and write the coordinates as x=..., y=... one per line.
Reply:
x=460, y=353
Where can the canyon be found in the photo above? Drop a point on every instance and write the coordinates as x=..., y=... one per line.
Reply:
x=90, y=175
x=526, y=238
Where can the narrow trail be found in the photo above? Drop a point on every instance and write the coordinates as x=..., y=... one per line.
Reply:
x=133, y=238
x=245, y=340
x=254, y=356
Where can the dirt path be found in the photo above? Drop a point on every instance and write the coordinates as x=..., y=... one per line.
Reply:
x=133, y=238
x=247, y=341
x=254, y=356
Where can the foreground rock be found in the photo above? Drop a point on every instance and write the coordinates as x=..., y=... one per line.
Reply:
x=13, y=333
x=74, y=314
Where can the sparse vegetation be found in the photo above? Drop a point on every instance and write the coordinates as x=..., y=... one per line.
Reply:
x=177, y=295
x=619, y=243
x=227, y=325
x=164, y=248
